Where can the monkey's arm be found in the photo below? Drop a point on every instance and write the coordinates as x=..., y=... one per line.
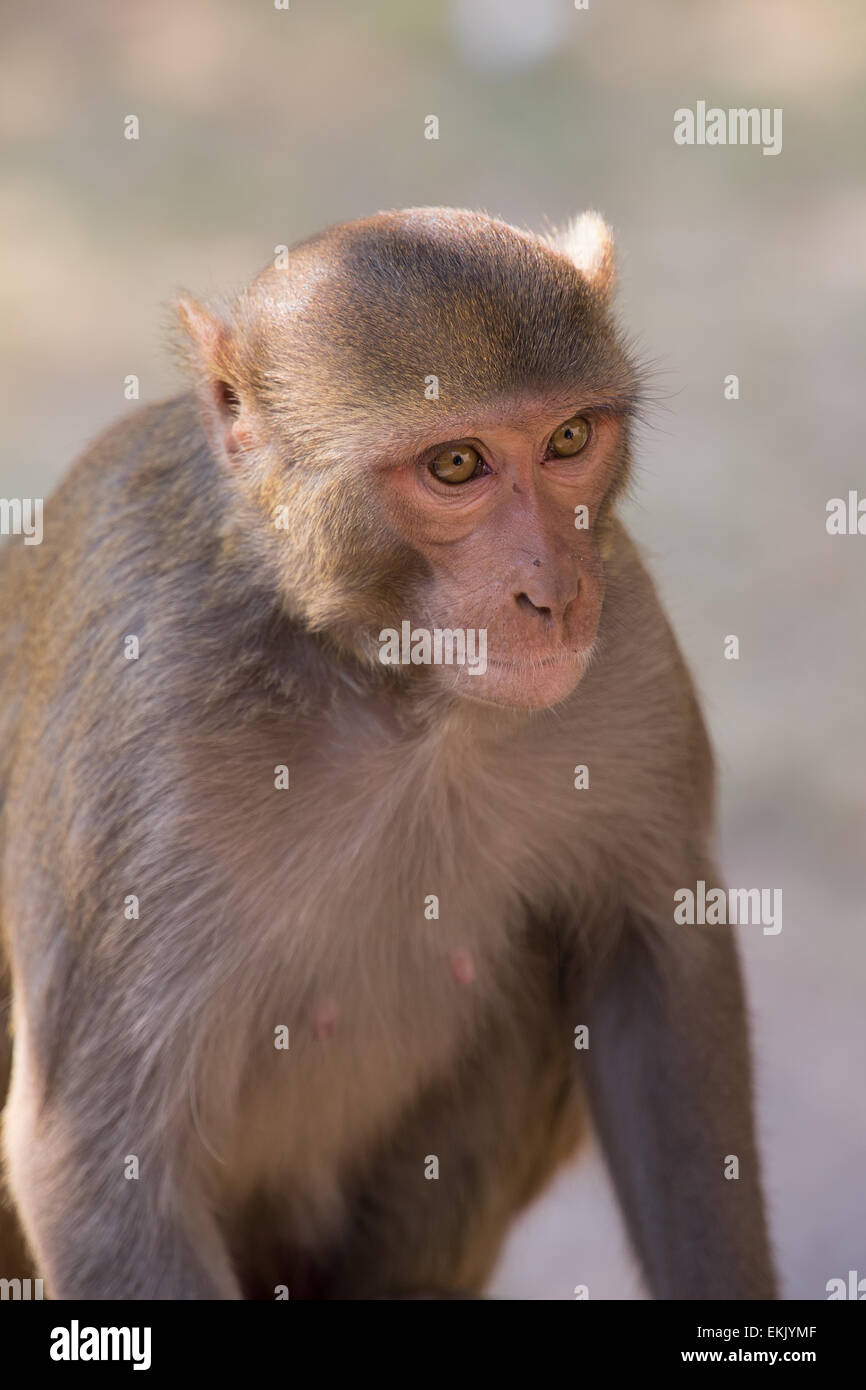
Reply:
x=669, y=1074
x=670, y=1088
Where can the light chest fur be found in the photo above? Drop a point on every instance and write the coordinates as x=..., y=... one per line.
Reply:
x=379, y=917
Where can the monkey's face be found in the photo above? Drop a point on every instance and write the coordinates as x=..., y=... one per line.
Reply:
x=437, y=405
x=505, y=517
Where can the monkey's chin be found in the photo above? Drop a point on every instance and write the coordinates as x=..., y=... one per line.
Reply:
x=524, y=684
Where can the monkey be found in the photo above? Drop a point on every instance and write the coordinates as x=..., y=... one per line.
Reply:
x=302, y=940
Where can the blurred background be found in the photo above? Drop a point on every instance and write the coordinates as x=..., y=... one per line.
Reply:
x=258, y=126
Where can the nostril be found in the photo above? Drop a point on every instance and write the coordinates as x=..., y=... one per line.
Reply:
x=525, y=602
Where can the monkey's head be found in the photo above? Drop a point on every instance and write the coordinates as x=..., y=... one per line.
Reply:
x=425, y=416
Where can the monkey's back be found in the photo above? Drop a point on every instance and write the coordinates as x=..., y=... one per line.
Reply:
x=113, y=530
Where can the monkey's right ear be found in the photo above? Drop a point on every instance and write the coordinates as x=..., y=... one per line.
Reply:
x=210, y=353
x=587, y=241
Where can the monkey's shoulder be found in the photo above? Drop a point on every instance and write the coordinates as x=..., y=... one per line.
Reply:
x=122, y=512
x=636, y=639
x=139, y=468
x=638, y=704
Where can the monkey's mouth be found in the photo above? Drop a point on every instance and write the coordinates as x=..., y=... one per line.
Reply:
x=527, y=681
x=533, y=663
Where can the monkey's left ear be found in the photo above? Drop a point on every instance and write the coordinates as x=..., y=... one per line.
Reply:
x=210, y=352
x=587, y=241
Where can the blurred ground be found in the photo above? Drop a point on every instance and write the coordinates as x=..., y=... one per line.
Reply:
x=259, y=126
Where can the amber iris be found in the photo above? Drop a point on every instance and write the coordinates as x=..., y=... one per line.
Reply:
x=456, y=464
x=571, y=437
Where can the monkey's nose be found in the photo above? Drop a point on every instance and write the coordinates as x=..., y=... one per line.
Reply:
x=539, y=610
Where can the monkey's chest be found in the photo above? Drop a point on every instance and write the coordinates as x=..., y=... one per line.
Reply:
x=382, y=905
x=390, y=964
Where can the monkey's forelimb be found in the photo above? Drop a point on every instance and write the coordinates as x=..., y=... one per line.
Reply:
x=96, y=1234
x=670, y=1088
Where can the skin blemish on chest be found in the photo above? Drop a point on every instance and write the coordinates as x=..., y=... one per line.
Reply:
x=325, y=1020
x=462, y=967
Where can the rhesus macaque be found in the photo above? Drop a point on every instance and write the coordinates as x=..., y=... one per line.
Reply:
x=292, y=930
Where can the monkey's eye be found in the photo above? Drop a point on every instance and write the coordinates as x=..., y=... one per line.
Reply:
x=456, y=464
x=571, y=437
